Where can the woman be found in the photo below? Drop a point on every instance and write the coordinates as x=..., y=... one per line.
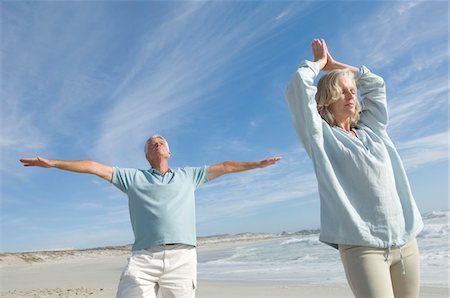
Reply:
x=367, y=209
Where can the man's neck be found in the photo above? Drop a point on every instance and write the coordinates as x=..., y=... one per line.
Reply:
x=161, y=166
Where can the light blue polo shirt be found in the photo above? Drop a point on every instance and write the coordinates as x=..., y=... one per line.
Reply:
x=162, y=208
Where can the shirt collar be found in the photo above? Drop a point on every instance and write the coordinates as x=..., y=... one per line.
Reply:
x=155, y=171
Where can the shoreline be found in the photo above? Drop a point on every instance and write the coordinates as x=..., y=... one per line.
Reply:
x=90, y=276
x=95, y=273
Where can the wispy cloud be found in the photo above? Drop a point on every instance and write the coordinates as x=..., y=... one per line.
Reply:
x=381, y=46
x=411, y=107
x=426, y=150
x=72, y=225
x=18, y=137
x=45, y=80
x=242, y=193
x=194, y=62
x=415, y=68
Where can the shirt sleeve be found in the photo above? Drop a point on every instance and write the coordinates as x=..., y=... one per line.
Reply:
x=300, y=96
x=123, y=178
x=199, y=175
x=372, y=89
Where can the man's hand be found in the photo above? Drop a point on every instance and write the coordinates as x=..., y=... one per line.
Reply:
x=227, y=167
x=269, y=161
x=37, y=162
x=78, y=166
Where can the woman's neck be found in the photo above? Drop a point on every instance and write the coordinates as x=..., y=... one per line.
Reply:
x=345, y=125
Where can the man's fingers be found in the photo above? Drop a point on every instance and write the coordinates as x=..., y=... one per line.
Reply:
x=26, y=160
x=272, y=160
x=30, y=161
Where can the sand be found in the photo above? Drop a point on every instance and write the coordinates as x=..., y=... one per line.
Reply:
x=95, y=273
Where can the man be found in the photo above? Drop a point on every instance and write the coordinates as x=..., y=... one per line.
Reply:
x=162, y=212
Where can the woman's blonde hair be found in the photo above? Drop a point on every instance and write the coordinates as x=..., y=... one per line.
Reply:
x=328, y=92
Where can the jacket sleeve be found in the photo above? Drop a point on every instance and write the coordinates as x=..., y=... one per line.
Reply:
x=372, y=89
x=301, y=100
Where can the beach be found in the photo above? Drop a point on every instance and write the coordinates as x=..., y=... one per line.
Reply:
x=95, y=273
x=229, y=266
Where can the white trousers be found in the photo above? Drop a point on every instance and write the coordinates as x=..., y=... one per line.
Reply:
x=381, y=273
x=171, y=269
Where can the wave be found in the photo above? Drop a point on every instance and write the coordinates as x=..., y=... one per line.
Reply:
x=434, y=231
x=436, y=214
x=307, y=241
x=234, y=238
x=248, y=236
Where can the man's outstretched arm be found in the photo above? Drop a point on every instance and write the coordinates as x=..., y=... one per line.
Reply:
x=79, y=166
x=227, y=167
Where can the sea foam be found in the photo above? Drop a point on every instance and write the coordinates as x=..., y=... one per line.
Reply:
x=302, y=257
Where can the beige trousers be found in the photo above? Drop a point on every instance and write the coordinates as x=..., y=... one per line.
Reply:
x=170, y=269
x=382, y=273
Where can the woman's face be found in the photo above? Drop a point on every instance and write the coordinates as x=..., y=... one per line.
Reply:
x=345, y=107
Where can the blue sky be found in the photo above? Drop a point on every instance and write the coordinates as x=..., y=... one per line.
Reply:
x=92, y=80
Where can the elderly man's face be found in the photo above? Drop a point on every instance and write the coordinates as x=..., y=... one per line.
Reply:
x=157, y=148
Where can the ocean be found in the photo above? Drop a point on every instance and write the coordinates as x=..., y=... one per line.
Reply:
x=301, y=257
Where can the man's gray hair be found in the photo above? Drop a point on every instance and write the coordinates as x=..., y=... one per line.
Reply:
x=155, y=137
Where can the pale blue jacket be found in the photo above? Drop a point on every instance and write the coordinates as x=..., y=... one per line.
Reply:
x=364, y=192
